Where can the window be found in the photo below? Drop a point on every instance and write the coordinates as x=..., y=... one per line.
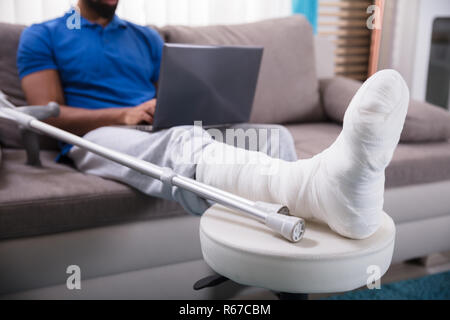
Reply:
x=356, y=46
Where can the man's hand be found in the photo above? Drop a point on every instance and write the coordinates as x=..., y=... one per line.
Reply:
x=41, y=87
x=142, y=113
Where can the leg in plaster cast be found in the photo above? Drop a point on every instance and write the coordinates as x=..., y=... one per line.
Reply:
x=344, y=185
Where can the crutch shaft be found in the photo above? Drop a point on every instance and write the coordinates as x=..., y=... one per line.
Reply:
x=290, y=227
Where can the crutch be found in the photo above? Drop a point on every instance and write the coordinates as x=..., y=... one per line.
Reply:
x=274, y=216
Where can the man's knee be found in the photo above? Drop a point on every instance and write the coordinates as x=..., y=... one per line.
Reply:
x=116, y=137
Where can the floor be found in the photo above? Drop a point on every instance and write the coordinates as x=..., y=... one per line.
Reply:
x=416, y=268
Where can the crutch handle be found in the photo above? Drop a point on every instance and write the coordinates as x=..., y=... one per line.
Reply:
x=41, y=112
x=29, y=138
x=26, y=114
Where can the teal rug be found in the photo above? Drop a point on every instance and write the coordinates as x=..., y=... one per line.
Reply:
x=433, y=287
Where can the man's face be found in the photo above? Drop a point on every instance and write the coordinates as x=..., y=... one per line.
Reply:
x=104, y=8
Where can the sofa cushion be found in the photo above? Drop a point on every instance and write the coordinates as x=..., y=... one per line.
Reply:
x=9, y=80
x=10, y=85
x=413, y=163
x=57, y=198
x=424, y=122
x=287, y=89
x=9, y=77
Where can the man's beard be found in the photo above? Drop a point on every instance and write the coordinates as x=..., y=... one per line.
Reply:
x=103, y=10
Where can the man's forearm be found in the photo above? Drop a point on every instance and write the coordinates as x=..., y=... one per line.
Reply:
x=44, y=86
x=80, y=121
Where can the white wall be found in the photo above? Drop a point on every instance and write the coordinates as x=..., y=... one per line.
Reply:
x=428, y=11
x=410, y=33
x=404, y=38
x=159, y=12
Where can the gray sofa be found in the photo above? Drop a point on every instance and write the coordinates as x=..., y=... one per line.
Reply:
x=129, y=245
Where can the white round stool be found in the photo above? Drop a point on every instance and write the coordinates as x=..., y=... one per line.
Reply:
x=247, y=252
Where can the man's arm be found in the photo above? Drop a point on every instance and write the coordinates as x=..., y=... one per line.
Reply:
x=44, y=86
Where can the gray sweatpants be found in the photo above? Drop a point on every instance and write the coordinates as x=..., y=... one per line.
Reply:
x=163, y=147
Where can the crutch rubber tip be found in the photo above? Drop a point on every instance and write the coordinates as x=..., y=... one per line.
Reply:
x=291, y=228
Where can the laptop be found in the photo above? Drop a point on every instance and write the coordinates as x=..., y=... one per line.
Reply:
x=212, y=84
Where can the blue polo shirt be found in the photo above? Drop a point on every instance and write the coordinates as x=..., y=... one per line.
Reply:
x=115, y=66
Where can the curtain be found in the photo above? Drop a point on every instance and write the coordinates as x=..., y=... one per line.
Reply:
x=309, y=8
x=158, y=12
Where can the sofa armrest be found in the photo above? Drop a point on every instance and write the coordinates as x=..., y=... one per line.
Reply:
x=424, y=122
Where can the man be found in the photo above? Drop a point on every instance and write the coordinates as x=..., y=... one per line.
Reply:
x=106, y=73
x=86, y=70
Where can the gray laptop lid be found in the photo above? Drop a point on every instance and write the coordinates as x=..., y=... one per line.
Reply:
x=212, y=84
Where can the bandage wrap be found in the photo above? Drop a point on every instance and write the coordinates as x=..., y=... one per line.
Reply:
x=342, y=186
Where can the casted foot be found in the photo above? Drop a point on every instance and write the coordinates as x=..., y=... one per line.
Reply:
x=342, y=186
x=345, y=183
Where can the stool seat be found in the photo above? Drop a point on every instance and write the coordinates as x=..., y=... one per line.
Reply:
x=247, y=252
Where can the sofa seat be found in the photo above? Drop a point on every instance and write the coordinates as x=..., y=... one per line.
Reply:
x=57, y=198
x=412, y=164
